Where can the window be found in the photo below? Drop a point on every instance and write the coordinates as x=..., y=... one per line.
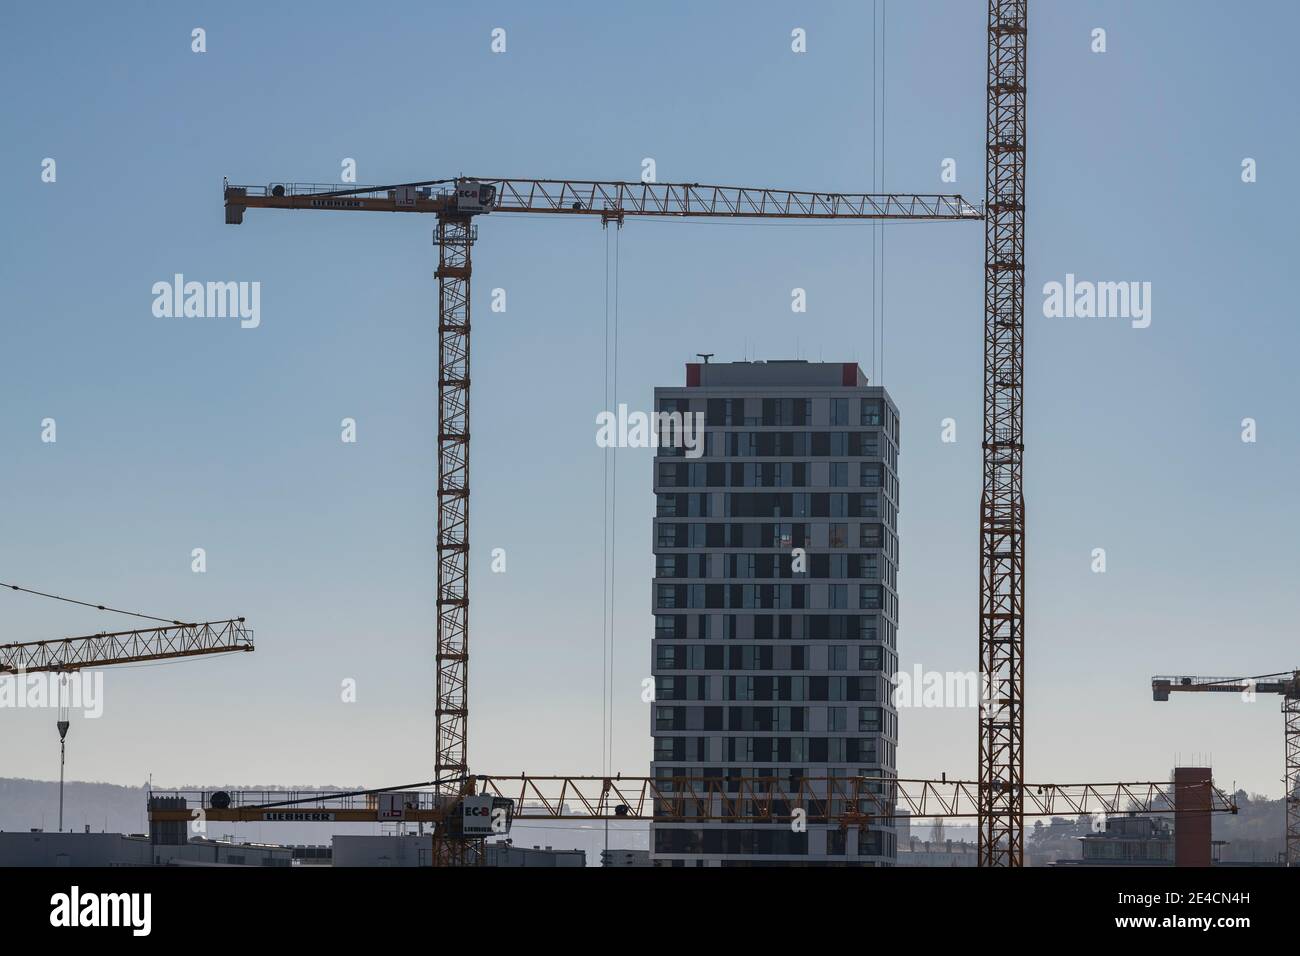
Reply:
x=837, y=535
x=839, y=474
x=837, y=657
x=870, y=843
x=869, y=720
x=667, y=595
x=837, y=595
x=869, y=658
x=836, y=842
x=839, y=411
x=835, y=719
x=872, y=411
x=869, y=597
x=785, y=411
x=742, y=565
x=871, y=476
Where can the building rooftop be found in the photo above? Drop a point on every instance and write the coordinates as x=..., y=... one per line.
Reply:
x=775, y=373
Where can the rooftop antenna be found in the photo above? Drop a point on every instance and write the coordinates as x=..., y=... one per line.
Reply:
x=706, y=356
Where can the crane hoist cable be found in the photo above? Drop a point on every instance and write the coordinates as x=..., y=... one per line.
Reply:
x=609, y=515
x=91, y=604
x=883, y=38
x=613, y=498
x=604, y=541
x=609, y=523
x=874, y=225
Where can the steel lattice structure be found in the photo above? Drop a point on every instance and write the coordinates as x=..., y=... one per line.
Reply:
x=127, y=647
x=1002, y=503
x=455, y=235
x=1291, y=714
x=849, y=801
x=455, y=238
x=612, y=197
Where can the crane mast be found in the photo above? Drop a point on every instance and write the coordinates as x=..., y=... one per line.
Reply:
x=455, y=239
x=1002, y=501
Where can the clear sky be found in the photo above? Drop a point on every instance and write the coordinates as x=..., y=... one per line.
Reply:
x=175, y=434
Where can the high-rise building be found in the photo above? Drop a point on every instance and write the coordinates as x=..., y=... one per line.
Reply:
x=774, y=598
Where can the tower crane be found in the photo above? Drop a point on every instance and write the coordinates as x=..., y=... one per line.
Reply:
x=67, y=655
x=1287, y=685
x=458, y=203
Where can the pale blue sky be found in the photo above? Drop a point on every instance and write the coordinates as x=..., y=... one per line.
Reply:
x=175, y=434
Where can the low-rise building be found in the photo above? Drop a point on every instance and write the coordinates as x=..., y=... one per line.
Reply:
x=506, y=853
x=625, y=858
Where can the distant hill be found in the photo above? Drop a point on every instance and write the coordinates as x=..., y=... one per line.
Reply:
x=29, y=804
x=1254, y=835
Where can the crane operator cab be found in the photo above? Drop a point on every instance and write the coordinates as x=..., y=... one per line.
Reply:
x=473, y=196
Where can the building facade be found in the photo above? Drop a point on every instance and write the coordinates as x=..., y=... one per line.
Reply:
x=775, y=599
x=1128, y=841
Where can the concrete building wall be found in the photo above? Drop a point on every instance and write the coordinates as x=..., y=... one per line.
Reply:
x=117, y=849
x=383, y=850
x=1193, y=794
x=74, y=849
x=505, y=854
